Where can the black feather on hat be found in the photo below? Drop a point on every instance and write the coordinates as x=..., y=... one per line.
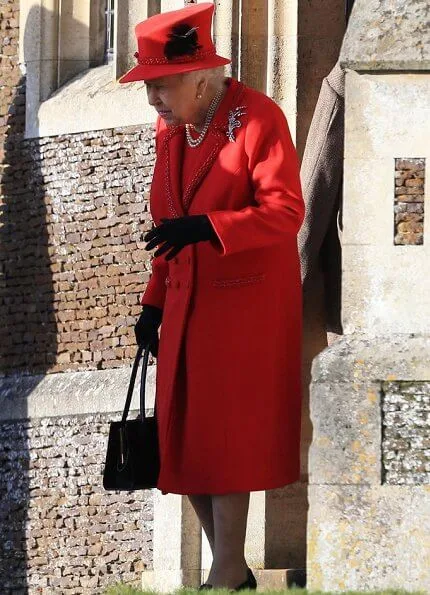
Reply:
x=183, y=42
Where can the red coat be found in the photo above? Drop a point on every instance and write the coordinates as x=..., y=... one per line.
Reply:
x=228, y=376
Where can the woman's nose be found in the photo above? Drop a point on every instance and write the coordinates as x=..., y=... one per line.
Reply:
x=153, y=98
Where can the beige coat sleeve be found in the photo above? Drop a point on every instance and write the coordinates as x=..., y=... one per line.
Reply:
x=321, y=178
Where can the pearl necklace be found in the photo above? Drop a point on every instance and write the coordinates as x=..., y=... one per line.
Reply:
x=193, y=143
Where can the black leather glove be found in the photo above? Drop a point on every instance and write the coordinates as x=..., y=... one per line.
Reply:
x=174, y=234
x=146, y=328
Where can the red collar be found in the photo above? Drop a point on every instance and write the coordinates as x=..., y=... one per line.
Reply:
x=230, y=100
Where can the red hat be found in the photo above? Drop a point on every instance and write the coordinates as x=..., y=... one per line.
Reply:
x=174, y=42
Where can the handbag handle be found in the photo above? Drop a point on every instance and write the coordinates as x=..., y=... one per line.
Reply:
x=142, y=383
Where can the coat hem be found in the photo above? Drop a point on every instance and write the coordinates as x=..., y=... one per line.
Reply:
x=260, y=486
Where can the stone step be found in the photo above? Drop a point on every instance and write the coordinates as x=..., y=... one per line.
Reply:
x=280, y=579
x=276, y=579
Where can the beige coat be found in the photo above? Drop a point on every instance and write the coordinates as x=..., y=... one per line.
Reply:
x=321, y=178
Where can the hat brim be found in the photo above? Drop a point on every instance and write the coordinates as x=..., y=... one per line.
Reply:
x=147, y=72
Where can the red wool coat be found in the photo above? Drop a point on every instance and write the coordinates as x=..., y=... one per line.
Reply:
x=228, y=370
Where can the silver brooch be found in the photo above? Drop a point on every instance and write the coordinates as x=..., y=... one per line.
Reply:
x=233, y=121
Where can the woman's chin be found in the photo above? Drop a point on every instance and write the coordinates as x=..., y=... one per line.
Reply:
x=169, y=119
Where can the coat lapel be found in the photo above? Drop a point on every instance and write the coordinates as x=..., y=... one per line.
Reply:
x=215, y=140
x=209, y=151
x=171, y=161
x=173, y=151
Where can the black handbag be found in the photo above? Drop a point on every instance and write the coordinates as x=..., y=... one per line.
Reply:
x=132, y=458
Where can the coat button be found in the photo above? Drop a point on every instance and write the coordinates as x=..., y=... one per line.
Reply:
x=167, y=281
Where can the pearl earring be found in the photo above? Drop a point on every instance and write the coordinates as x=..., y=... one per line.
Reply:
x=199, y=96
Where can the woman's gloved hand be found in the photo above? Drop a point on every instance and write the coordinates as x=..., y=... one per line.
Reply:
x=174, y=234
x=146, y=328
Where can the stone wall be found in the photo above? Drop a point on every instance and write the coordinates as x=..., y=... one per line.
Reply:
x=369, y=497
x=61, y=532
x=73, y=211
x=409, y=201
x=406, y=433
x=72, y=215
x=12, y=100
x=72, y=255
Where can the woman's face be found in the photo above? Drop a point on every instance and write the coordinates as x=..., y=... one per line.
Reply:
x=175, y=98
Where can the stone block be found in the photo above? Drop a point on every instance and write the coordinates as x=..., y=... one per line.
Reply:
x=346, y=446
x=369, y=407
x=285, y=527
x=376, y=299
x=395, y=41
x=368, y=538
x=279, y=579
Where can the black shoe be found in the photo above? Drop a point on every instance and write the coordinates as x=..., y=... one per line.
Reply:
x=205, y=587
x=250, y=582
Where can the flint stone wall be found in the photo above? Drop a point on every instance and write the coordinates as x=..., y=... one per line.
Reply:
x=12, y=98
x=406, y=432
x=61, y=532
x=73, y=210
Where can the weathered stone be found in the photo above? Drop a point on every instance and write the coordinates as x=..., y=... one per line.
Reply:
x=417, y=217
x=409, y=239
x=362, y=532
x=408, y=228
x=397, y=40
x=368, y=538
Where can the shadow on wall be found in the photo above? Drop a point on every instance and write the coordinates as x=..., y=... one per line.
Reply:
x=28, y=327
x=28, y=338
x=30, y=307
x=28, y=333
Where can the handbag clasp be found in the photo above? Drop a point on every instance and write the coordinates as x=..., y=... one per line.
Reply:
x=122, y=446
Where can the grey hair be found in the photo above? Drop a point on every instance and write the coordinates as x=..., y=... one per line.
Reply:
x=214, y=76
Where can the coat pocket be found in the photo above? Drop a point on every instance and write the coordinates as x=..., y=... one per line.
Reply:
x=238, y=281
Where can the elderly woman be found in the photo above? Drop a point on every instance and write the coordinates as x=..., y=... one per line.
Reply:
x=225, y=285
